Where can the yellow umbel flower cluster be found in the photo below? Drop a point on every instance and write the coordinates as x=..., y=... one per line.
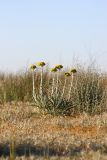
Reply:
x=73, y=70
x=33, y=67
x=41, y=64
x=59, y=66
x=67, y=74
x=54, y=70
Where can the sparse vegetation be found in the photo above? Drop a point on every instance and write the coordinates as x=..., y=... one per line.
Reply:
x=39, y=136
x=53, y=114
x=57, y=91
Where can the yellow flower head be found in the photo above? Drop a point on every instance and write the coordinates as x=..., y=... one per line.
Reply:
x=73, y=70
x=67, y=74
x=59, y=66
x=33, y=67
x=41, y=64
x=54, y=70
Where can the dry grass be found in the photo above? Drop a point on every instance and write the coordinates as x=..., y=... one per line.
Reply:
x=87, y=93
x=82, y=137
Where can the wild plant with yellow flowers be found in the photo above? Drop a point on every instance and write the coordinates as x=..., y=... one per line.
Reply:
x=63, y=99
x=53, y=101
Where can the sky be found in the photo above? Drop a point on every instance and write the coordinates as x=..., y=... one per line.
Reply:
x=54, y=31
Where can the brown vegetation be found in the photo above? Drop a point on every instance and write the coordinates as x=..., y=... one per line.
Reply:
x=73, y=125
x=63, y=136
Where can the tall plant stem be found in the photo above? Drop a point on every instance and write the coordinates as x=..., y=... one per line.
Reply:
x=53, y=84
x=33, y=82
x=33, y=85
x=63, y=91
x=69, y=95
x=57, y=81
x=41, y=83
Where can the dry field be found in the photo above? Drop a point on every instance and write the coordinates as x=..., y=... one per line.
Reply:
x=33, y=105
x=36, y=136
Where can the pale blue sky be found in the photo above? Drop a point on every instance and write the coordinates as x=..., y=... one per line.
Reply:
x=53, y=31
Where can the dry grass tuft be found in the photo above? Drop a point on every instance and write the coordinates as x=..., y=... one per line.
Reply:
x=53, y=135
